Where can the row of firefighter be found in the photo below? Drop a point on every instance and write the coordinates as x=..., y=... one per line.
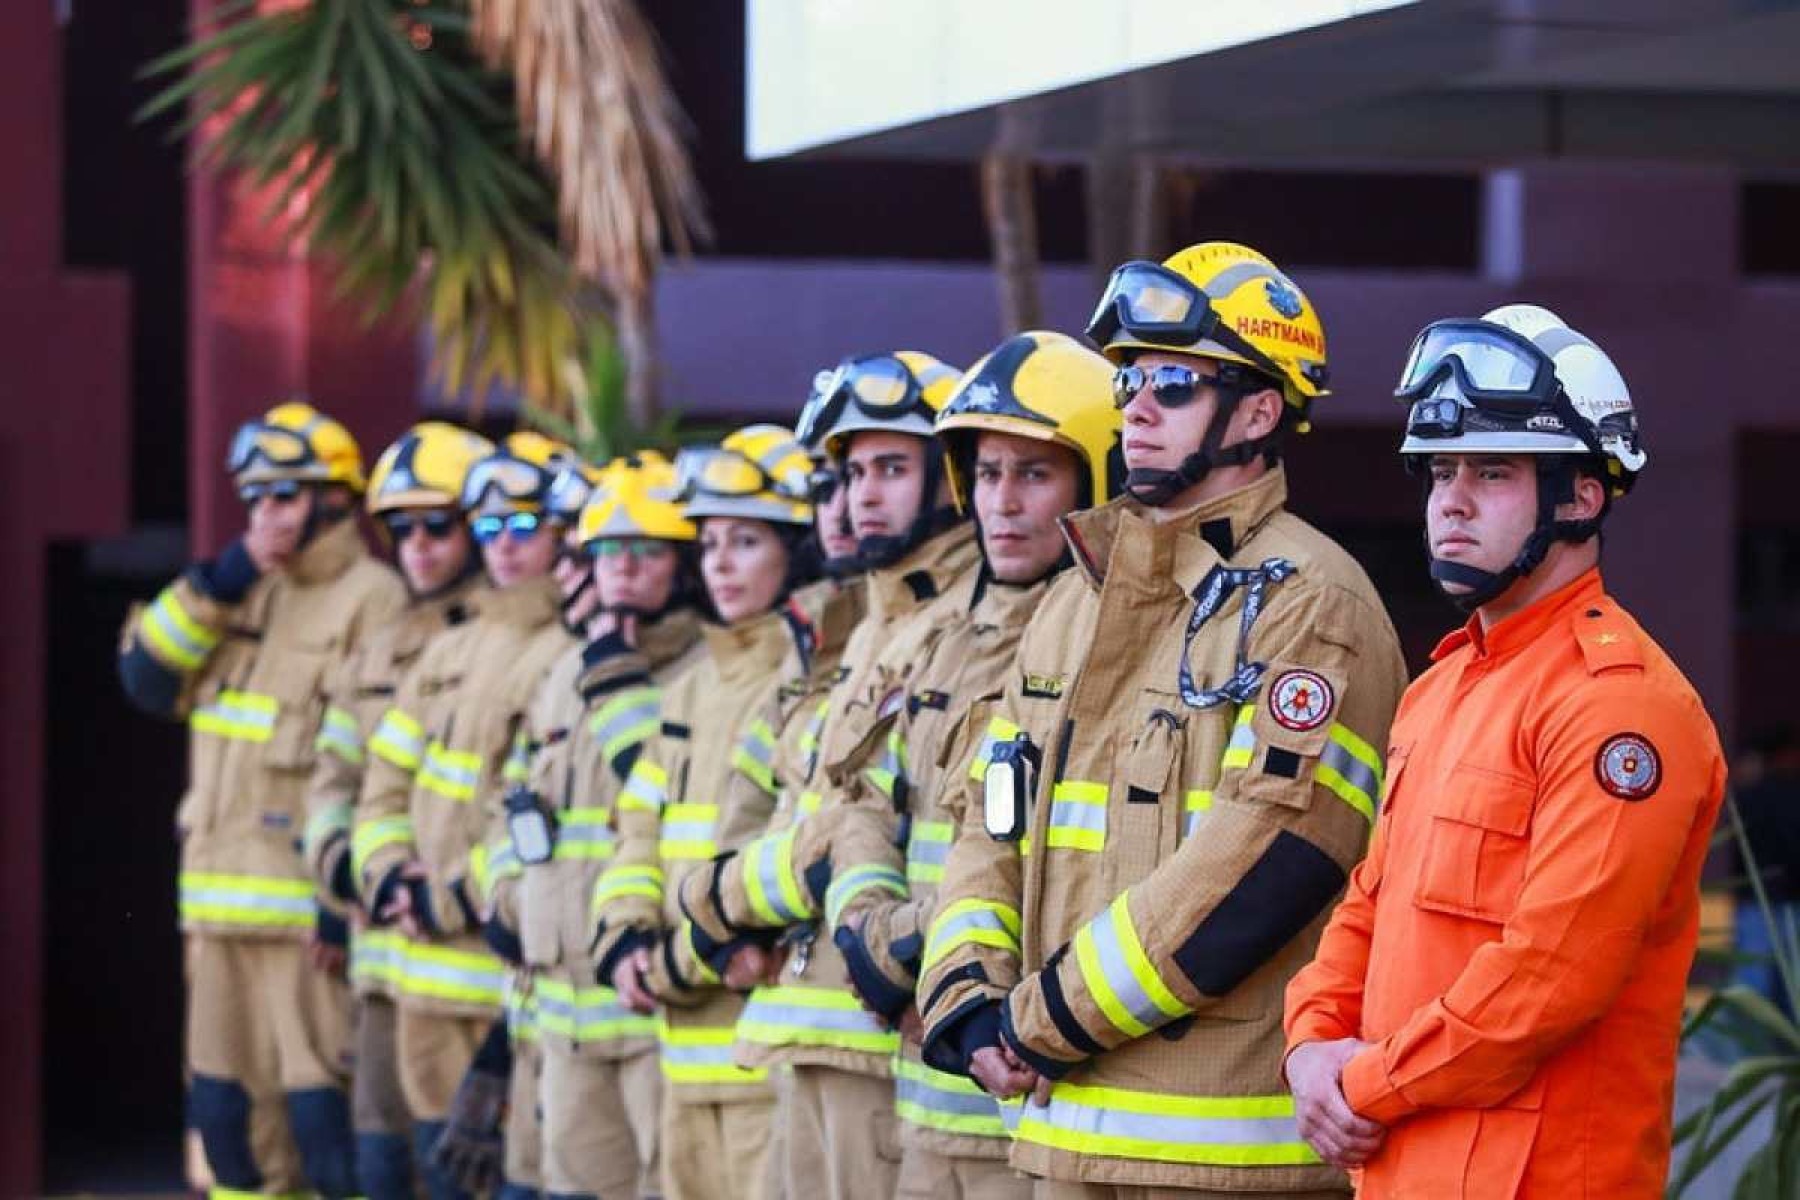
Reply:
x=947, y=796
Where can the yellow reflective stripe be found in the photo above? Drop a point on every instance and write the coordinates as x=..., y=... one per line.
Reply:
x=468, y=976
x=971, y=922
x=587, y=1014
x=626, y=720
x=1077, y=815
x=999, y=729
x=809, y=803
x=176, y=637
x=371, y=836
x=864, y=877
x=701, y=1054
x=646, y=788
x=1197, y=805
x=687, y=831
x=927, y=849
x=377, y=955
x=950, y=1103
x=1156, y=1127
x=755, y=755
x=813, y=1016
x=326, y=824
x=1119, y=976
x=452, y=774
x=770, y=885
x=224, y=1193
x=340, y=735
x=399, y=740
x=243, y=716
x=585, y=833
x=1351, y=768
x=517, y=768
x=887, y=773
x=255, y=900
x=623, y=880
x=1242, y=746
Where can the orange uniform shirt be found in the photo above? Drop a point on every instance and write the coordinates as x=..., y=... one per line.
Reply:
x=1516, y=944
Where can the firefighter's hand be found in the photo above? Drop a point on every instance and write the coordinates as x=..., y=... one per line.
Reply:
x=400, y=909
x=328, y=947
x=628, y=981
x=749, y=966
x=1001, y=1074
x=1315, y=1075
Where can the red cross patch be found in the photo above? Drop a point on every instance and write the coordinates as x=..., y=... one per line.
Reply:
x=1301, y=700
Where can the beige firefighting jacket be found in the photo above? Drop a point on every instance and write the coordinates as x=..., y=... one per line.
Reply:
x=1206, y=701
x=356, y=695
x=812, y=1016
x=437, y=765
x=674, y=816
x=247, y=669
x=599, y=707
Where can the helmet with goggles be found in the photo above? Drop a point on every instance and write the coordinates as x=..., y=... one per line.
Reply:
x=759, y=472
x=516, y=477
x=294, y=443
x=425, y=467
x=894, y=393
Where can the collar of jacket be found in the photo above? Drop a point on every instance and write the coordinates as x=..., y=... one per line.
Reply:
x=924, y=574
x=1158, y=555
x=334, y=551
x=1006, y=606
x=423, y=620
x=753, y=648
x=1529, y=623
x=668, y=638
x=527, y=604
x=833, y=609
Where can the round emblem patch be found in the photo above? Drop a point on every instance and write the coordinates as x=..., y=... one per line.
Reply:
x=1300, y=700
x=1628, y=766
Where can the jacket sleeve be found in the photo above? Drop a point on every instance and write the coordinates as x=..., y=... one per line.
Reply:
x=1597, y=875
x=332, y=789
x=382, y=838
x=627, y=902
x=1287, y=820
x=166, y=643
x=972, y=957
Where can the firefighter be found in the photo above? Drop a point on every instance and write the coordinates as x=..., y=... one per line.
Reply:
x=241, y=646
x=749, y=499
x=439, y=758
x=1495, y=1007
x=1178, y=776
x=413, y=493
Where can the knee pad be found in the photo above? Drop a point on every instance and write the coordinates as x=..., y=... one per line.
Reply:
x=219, y=1110
x=320, y=1119
x=384, y=1166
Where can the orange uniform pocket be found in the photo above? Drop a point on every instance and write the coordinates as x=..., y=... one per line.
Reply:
x=1476, y=846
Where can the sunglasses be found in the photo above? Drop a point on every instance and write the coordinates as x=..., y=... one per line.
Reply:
x=436, y=525
x=642, y=549
x=1175, y=386
x=520, y=526
x=276, y=489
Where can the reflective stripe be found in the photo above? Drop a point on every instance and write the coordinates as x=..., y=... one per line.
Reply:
x=1242, y=745
x=521, y=1007
x=468, y=976
x=399, y=739
x=224, y=1193
x=755, y=755
x=1215, y=1130
x=493, y=862
x=517, y=767
x=950, y=1103
x=1198, y=804
x=864, y=877
x=808, y=803
x=176, y=637
x=588, y=1014
x=815, y=726
x=999, y=729
x=701, y=1054
x=247, y=900
x=329, y=822
x=774, y=892
x=972, y=922
x=811, y=1016
x=1351, y=768
x=687, y=831
x=623, y=880
x=585, y=833
x=452, y=774
x=892, y=767
x=646, y=789
x=339, y=735
x=243, y=716
x=626, y=720
x=927, y=849
x=1077, y=815
x=377, y=956
x=1119, y=976
x=371, y=836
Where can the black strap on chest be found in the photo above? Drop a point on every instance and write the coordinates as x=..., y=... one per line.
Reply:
x=1209, y=598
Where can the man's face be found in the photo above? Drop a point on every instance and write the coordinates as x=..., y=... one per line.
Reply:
x=635, y=574
x=433, y=547
x=282, y=517
x=832, y=520
x=886, y=473
x=1021, y=487
x=1480, y=510
x=1159, y=436
x=514, y=557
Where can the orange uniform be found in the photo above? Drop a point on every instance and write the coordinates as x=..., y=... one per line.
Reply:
x=1516, y=945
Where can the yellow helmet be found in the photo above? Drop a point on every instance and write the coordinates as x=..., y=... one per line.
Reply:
x=760, y=471
x=1218, y=300
x=425, y=467
x=899, y=393
x=1039, y=385
x=295, y=441
x=516, y=476
x=636, y=497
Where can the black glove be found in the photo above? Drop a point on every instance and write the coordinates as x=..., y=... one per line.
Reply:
x=470, y=1150
x=331, y=929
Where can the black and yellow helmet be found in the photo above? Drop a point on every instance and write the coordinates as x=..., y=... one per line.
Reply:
x=294, y=441
x=637, y=497
x=760, y=471
x=425, y=467
x=516, y=477
x=899, y=392
x=1040, y=385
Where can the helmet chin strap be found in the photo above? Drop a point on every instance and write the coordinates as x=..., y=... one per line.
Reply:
x=884, y=550
x=1555, y=485
x=1156, y=487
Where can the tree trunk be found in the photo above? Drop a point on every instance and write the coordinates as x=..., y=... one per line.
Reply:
x=1012, y=232
x=636, y=332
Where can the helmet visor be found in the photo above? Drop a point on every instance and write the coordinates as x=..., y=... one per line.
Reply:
x=1490, y=366
x=1151, y=304
x=568, y=495
x=717, y=472
x=879, y=386
x=512, y=478
x=270, y=444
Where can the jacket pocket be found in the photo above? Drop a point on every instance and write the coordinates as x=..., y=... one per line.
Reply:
x=1476, y=846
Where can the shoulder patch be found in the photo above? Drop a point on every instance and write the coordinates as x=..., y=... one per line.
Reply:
x=1628, y=766
x=1301, y=700
x=1604, y=643
x=1044, y=687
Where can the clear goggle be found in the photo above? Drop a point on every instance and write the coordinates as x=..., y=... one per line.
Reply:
x=272, y=444
x=1154, y=305
x=879, y=386
x=511, y=478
